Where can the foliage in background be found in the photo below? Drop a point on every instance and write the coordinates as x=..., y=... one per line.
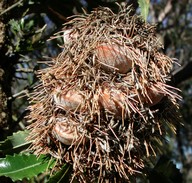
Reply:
x=144, y=5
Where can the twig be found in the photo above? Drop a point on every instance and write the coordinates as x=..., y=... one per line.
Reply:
x=11, y=7
x=166, y=10
x=24, y=70
x=182, y=74
x=19, y=94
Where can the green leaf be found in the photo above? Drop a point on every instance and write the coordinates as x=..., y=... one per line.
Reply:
x=62, y=176
x=144, y=5
x=15, y=143
x=22, y=166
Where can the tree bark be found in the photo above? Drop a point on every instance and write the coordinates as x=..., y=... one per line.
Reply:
x=5, y=82
x=3, y=102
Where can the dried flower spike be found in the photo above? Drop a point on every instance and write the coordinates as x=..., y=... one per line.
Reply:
x=108, y=108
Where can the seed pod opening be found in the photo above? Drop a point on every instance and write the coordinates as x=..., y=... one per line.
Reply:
x=67, y=100
x=113, y=58
x=65, y=131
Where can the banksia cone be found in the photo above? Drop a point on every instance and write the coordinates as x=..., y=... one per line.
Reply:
x=103, y=105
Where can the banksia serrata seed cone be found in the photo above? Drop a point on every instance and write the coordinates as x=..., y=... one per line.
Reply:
x=103, y=105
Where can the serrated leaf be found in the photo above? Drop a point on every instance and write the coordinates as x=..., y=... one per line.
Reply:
x=62, y=176
x=22, y=166
x=15, y=143
x=144, y=5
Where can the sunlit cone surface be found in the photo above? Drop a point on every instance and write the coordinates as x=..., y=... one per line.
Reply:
x=103, y=105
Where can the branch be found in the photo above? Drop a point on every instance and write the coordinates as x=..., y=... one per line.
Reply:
x=165, y=11
x=11, y=7
x=182, y=74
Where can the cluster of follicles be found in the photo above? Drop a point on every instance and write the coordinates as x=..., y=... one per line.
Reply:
x=103, y=105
